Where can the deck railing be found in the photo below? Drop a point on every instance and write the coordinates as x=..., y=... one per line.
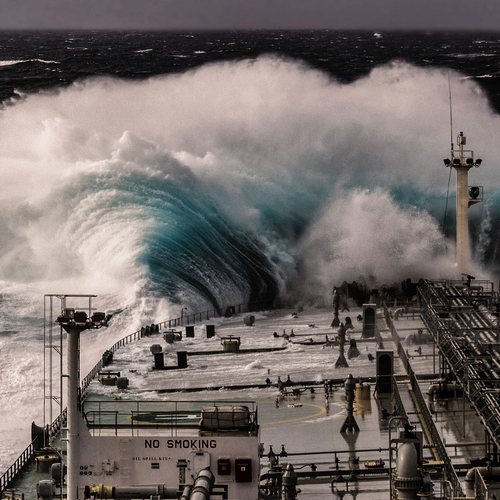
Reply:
x=28, y=455
x=18, y=466
x=170, y=416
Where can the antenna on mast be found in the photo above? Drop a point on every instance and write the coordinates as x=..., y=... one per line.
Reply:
x=451, y=112
x=451, y=141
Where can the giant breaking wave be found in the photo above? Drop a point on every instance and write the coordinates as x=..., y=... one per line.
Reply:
x=233, y=182
x=237, y=181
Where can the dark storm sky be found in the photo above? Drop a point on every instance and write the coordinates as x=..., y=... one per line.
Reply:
x=250, y=14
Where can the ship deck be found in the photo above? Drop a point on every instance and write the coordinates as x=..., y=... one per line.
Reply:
x=301, y=423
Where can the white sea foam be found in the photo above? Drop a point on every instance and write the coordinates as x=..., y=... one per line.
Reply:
x=18, y=61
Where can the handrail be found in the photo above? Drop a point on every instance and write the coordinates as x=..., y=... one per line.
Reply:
x=18, y=466
x=167, y=414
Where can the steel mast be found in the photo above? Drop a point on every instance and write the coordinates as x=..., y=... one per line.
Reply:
x=462, y=161
x=73, y=323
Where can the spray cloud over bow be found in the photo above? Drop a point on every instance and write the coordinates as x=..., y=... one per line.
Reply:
x=235, y=181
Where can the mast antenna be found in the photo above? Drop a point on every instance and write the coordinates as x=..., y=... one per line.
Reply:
x=451, y=141
x=451, y=112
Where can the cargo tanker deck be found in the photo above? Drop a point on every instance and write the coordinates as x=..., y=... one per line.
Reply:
x=282, y=403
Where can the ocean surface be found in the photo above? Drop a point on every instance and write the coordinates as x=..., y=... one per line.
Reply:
x=164, y=171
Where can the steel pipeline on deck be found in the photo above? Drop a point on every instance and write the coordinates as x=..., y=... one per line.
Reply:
x=466, y=332
x=424, y=413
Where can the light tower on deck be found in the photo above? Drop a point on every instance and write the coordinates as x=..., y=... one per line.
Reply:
x=462, y=161
x=73, y=323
